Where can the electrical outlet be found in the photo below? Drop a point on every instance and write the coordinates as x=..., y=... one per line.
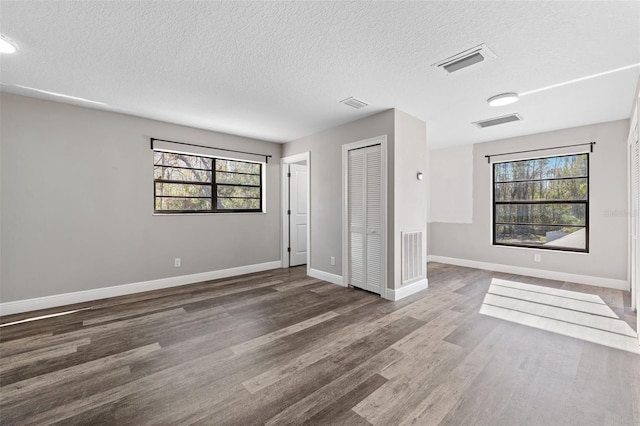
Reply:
x=333, y=261
x=177, y=262
x=537, y=258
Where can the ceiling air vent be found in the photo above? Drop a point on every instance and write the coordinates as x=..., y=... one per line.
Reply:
x=466, y=58
x=355, y=103
x=498, y=120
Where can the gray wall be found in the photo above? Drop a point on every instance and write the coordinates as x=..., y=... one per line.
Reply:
x=406, y=196
x=77, y=203
x=410, y=194
x=608, y=202
x=326, y=183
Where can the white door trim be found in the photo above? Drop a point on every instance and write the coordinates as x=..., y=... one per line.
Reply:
x=633, y=267
x=284, y=162
x=378, y=140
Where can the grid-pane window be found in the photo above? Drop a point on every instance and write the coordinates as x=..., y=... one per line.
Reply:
x=542, y=203
x=194, y=184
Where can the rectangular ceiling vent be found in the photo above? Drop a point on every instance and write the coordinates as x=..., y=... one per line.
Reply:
x=498, y=120
x=466, y=58
x=355, y=103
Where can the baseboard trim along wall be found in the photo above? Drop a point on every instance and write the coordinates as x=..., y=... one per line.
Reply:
x=326, y=276
x=53, y=301
x=407, y=290
x=531, y=272
x=392, y=294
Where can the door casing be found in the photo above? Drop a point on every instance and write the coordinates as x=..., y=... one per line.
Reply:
x=634, y=226
x=284, y=243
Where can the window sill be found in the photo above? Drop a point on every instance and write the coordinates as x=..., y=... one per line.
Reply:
x=210, y=214
x=544, y=250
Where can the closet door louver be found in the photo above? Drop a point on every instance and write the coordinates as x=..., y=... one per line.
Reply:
x=366, y=234
x=374, y=219
x=357, y=218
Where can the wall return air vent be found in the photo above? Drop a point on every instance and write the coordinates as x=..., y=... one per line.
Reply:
x=465, y=58
x=355, y=103
x=498, y=120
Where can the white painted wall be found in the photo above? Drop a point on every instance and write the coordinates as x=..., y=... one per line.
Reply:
x=451, y=179
x=608, y=198
x=77, y=204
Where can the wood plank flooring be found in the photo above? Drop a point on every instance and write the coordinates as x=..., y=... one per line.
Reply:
x=280, y=348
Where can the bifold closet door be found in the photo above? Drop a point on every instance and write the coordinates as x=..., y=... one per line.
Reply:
x=366, y=233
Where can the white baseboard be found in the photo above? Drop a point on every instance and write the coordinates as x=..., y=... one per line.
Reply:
x=27, y=305
x=531, y=272
x=326, y=276
x=391, y=294
x=407, y=290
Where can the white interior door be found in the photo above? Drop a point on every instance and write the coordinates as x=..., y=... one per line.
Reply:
x=366, y=232
x=298, y=177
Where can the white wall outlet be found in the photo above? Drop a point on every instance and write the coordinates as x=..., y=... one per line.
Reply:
x=177, y=262
x=537, y=258
x=333, y=261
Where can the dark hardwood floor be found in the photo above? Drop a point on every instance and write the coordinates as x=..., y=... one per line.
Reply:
x=281, y=348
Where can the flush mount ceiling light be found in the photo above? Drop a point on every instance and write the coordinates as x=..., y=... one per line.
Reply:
x=503, y=99
x=7, y=45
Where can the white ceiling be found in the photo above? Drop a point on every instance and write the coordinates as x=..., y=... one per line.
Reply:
x=277, y=70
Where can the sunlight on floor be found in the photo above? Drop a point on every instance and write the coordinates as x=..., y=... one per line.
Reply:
x=579, y=315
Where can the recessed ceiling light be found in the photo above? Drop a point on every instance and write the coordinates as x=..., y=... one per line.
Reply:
x=503, y=99
x=7, y=45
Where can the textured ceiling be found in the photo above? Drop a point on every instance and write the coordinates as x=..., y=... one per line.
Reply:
x=277, y=70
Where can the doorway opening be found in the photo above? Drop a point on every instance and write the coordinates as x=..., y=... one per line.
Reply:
x=296, y=215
